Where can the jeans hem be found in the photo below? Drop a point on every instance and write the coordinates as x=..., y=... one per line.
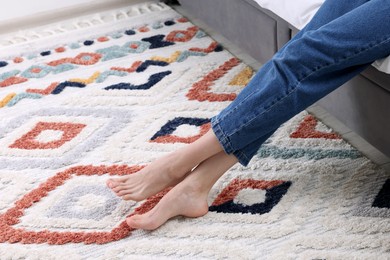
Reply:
x=225, y=143
x=221, y=136
x=241, y=157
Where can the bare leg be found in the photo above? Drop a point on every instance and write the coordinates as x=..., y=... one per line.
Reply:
x=166, y=171
x=189, y=197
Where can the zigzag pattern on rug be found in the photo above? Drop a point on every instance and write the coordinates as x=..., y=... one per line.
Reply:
x=107, y=100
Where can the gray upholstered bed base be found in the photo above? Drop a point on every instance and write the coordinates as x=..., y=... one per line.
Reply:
x=362, y=104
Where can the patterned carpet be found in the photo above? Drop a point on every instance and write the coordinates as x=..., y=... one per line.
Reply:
x=104, y=100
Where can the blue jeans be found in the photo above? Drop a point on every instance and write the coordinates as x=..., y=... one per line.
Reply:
x=342, y=39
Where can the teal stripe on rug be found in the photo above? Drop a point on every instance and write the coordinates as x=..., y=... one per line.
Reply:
x=315, y=154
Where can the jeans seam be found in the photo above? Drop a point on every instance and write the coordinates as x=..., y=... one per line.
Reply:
x=221, y=136
x=242, y=158
x=342, y=60
x=296, y=87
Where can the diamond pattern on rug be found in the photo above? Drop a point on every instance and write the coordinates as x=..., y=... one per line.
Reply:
x=382, y=200
x=250, y=196
x=103, y=102
x=374, y=199
x=62, y=220
x=35, y=139
x=307, y=129
x=22, y=149
x=171, y=131
x=201, y=90
x=85, y=202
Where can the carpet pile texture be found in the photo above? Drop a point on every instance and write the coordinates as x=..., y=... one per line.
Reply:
x=107, y=95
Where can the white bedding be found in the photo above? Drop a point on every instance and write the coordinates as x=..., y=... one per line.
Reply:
x=299, y=12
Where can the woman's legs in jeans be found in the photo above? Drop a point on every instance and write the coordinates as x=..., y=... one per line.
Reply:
x=305, y=70
x=329, y=11
x=327, y=53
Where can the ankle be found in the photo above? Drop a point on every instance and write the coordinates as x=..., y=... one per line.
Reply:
x=178, y=166
x=196, y=187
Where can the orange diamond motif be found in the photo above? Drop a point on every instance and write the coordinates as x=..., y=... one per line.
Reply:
x=29, y=142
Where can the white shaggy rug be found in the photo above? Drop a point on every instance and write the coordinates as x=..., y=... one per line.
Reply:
x=107, y=94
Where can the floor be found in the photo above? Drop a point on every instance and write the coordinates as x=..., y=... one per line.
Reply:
x=368, y=150
x=359, y=143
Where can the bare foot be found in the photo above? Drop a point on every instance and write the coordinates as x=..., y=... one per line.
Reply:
x=152, y=179
x=189, y=197
x=184, y=200
x=166, y=171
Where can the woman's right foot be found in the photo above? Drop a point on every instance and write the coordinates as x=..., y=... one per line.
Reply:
x=152, y=179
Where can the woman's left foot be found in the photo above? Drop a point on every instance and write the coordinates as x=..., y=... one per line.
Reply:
x=185, y=199
x=189, y=197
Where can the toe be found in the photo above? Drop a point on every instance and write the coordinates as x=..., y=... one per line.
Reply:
x=143, y=222
x=116, y=189
x=111, y=183
x=131, y=196
x=119, y=188
x=123, y=192
x=133, y=221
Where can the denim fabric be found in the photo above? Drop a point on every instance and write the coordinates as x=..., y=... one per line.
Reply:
x=343, y=38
